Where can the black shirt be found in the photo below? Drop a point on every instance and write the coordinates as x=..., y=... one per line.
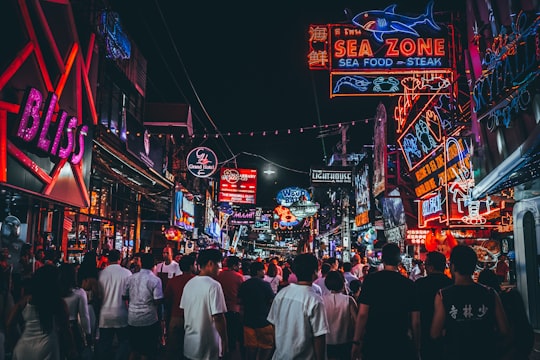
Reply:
x=426, y=289
x=256, y=296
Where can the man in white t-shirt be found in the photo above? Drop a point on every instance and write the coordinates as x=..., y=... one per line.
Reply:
x=113, y=317
x=297, y=309
x=168, y=268
x=204, y=308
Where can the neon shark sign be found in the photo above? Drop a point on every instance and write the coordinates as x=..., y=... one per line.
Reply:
x=381, y=23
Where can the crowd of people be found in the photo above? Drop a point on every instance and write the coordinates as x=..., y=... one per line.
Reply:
x=209, y=306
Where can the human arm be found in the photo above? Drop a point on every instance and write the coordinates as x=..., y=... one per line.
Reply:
x=359, y=330
x=319, y=342
x=221, y=326
x=439, y=317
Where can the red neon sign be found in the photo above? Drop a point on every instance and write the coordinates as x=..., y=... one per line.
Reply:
x=238, y=186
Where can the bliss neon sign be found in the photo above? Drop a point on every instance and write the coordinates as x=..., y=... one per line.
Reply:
x=63, y=138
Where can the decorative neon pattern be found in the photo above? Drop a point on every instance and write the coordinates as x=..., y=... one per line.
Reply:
x=118, y=45
x=386, y=84
x=461, y=188
x=359, y=83
x=381, y=23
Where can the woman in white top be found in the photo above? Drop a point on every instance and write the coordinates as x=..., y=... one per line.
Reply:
x=272, y=277
x=77, y=304
x=341, y=311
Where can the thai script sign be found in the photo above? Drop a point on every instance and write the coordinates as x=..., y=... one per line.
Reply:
x=238, y=186
x=331, y=177
x=63, y=139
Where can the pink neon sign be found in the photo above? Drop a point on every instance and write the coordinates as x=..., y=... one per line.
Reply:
x=62, y=138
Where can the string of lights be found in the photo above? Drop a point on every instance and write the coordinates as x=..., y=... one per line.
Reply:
x=265, y=159
x=325, y=130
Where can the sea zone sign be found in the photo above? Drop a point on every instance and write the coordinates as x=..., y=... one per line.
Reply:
x=378, y=45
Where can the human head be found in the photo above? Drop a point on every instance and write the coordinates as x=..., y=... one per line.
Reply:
x=435, y=262
x=487, y=277
x=167, y=254
x=334, y=281
x=256, y=269
x=305, y=267
x=187, y=264
x=334, y=263
x=147, y=261
x=347, y=266
x=45, y=291
x=391, y=254
x=114, y=256
x=325, y=269
x=355, y=286
x=355, y=259
x=272, y=270
x=463, y=260
x=210, y=262
x=233, y=263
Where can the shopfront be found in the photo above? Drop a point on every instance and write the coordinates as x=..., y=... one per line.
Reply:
x=47, y=117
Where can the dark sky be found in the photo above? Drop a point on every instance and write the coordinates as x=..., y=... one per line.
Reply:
x=247, y=63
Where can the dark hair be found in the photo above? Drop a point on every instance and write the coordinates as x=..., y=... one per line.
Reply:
x=304, y=266
x=114, y=255
x=437, y=260
x=147, y=261
x=355, y=285
x=186, y=262
x=255, y=267
x=347, y=266
x=464, y=259
x=391, y=254
x=487, y=277
x=334, y=281
x=232, y=261
x=68, y=279
x=88, y=268
x=45, y=291
x=325, y=268
x=272, y=270
x=209, y=255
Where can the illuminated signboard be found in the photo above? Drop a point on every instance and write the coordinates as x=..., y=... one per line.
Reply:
x=366, y=84
x=362, y=196
x=379, y=151
x=284, y=216
x=511, y=62
x=380, y=40
x=431, y=208
x=438, y=169
x=242, y=217
x=238, y=186
x=202, y=162
x=395, y=225
x=290, y=195
x=331, y=176
x=116, y=41
x=61, y=139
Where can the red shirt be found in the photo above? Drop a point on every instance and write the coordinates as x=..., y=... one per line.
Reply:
x=230, y=281
x=173, y=293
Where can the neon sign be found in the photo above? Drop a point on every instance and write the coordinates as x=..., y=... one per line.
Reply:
x=116, y=41
x=62, y=139
x=290, y=195
x=512, y=61
x=384, y=22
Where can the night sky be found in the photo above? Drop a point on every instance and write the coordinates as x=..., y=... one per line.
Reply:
x=247, y=63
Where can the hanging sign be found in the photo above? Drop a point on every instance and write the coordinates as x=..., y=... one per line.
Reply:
x=290, y=195
x=202, y=162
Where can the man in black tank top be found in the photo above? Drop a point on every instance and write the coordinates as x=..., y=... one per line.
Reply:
x=471, y=314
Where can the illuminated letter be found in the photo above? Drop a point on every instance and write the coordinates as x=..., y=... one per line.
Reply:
x=79, y=149
x=339, y=49
x=30, y=110
x=60, y=122
x=407, y=47
x=392, y=47
x=425, y=47
x=351, y=48
x=365, y=49
x=44, y=142
x=63, y=153
x=438, y=45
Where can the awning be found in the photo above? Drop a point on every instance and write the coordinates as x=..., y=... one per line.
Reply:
x=521, y=166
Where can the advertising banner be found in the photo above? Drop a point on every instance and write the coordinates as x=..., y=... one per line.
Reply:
x=379, y=151
x=331, y=176
x=146, y=147
x=238, y=186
